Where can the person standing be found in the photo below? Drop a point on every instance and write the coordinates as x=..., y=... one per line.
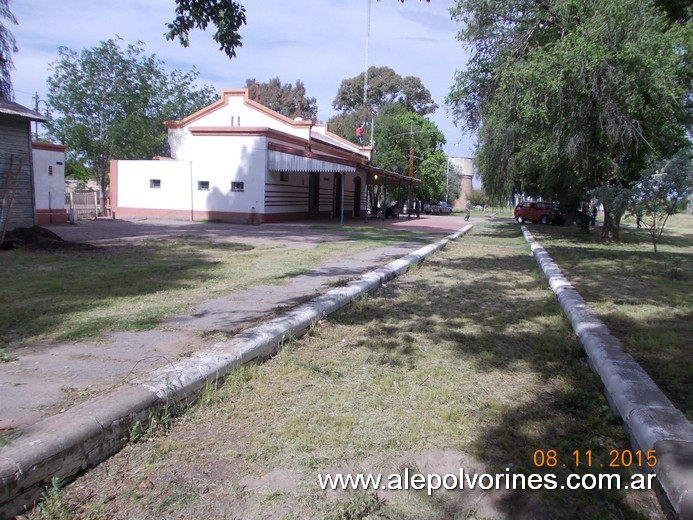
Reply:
x=359, y=133
x=468, y=210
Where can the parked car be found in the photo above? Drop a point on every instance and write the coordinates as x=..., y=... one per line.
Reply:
x=541, y=212
x=442, y=208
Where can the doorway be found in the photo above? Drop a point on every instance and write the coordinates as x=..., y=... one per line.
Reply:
x=337, y=187
x=357, y=197
x=313, y=195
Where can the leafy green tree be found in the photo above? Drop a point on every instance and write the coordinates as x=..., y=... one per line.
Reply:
x=478, y=198
x=109, y=103
x=384, y=86
x=76, y=170
x=226, y=15
x=663, y=191
x=284, y=98
x=345, y=124
x=401, y=135
x=569, y=96
x=8, y=46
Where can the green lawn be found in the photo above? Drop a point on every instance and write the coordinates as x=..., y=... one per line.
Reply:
x=69, y=295
x=464, y=362
x=645, y=299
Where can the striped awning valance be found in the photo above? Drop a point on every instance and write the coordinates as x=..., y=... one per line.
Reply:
x=284, y=162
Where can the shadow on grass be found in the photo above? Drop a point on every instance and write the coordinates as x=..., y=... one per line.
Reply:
x=488, y=313
x=661, y=347
x=40, y=291
x=644, y=299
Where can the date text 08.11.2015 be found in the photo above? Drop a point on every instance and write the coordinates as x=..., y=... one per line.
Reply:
x=584, y=458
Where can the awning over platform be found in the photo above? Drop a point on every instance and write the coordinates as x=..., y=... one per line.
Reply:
x=378, y=176
x=284, y=162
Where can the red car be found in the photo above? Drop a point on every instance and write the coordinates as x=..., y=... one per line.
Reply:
x=541, y=212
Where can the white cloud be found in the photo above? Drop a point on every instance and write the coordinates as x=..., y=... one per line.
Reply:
x=320, y=42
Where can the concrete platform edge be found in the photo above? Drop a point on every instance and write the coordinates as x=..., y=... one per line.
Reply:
x=65, y=445
x=647, y=415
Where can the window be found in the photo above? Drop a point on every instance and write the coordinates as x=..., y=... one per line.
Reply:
x=202, y=185
x=231, y=120
x=155, y=183
x=50, y=170
x=284, y=176
x=237, y=186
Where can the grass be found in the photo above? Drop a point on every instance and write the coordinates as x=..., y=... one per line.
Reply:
x=465, y=361
x=646, y=300
x=71, y=295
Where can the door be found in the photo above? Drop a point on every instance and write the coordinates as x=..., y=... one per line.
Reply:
x=313, y=194
x=357, y=197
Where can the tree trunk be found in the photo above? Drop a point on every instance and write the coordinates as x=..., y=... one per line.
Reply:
x=611, y=226
x=585, y=226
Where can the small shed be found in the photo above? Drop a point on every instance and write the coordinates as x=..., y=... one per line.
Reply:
x=16, y=182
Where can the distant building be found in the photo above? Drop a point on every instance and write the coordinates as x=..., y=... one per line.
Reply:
x=16, y=182
x=49, y=183
x=464, y=168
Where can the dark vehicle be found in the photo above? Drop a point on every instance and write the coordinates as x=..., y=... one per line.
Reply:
x=538, y=212
x=580, y=218
x=442, y=208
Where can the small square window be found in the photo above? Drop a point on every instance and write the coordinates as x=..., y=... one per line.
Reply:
x=284, y=176
x=203, y=185
x=155, y=183
x=237, y=186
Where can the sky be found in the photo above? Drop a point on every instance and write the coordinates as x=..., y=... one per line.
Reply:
x=320, y=42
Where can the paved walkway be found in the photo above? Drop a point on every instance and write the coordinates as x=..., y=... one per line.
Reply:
x=47, y=378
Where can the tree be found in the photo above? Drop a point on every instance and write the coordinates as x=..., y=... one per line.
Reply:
x=285, y=99
x=384, y=86
x=345, y=124
x=401, y=136
x=569, y=96
x=663, y=191
x=109, y=103
x=8, y=46
x=226, y=15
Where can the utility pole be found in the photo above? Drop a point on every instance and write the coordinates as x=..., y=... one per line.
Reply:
x=411, y=161
x=36, y=107
x=365, y=69
x=37, y=102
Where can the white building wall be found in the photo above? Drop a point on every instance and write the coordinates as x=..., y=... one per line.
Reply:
x=201, y=184
x=237, y=113
x=136, y=185
x=221, y=160
x=290, y=195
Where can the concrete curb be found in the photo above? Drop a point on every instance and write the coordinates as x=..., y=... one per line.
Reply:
x=649, y=418
x=67, y=444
